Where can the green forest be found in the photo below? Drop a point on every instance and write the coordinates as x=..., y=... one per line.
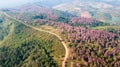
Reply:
x=25, y=47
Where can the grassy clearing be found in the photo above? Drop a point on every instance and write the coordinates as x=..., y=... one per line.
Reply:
x=6, y=28
x=55, y=30
x=10, y=33
x=105, y=27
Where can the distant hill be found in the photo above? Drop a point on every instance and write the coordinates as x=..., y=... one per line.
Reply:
x=51, y=3
x=102, y=10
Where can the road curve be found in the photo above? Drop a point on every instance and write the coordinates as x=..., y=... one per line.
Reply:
x=64, y=44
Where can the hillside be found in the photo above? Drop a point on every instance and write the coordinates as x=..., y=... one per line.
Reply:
x=71, y=34
x=29, y=47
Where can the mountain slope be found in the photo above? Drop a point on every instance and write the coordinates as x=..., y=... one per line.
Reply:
x=41, y=33
x=30, y=47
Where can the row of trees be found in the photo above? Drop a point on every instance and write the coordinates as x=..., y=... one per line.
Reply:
x=82, y=20
x=86, y=22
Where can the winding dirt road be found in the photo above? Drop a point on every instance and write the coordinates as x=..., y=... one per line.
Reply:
x=66, y=49
x=62, y=41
